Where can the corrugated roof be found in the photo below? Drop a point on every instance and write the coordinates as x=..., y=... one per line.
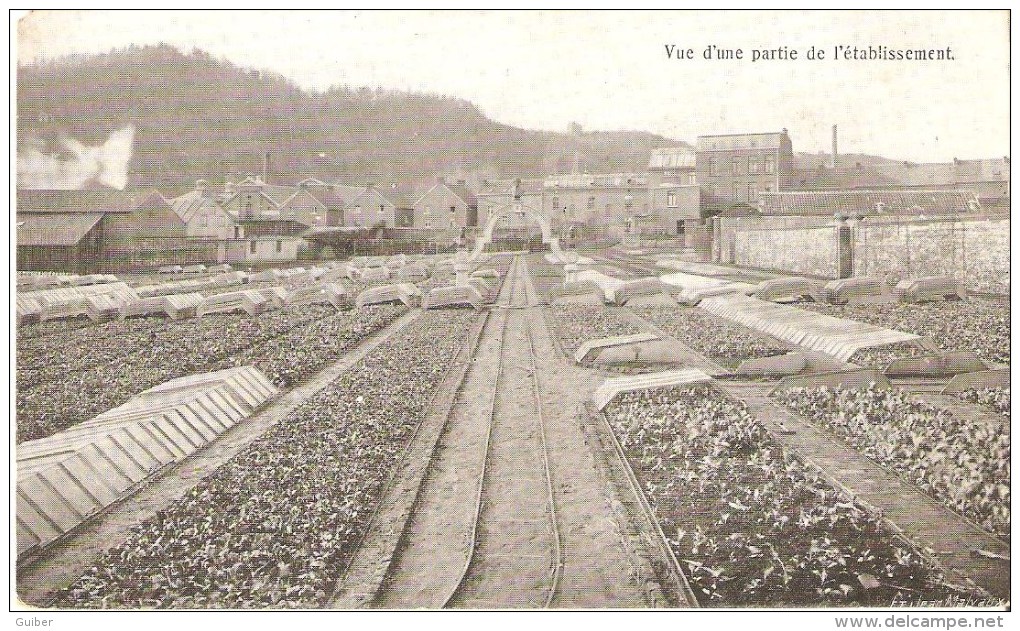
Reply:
x=681, y=157
x=56, y=229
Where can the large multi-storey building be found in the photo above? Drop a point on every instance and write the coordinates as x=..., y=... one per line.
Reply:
x=605, y=200
x=734, y=169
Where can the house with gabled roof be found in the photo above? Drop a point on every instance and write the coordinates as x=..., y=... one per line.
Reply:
x=446, y=205
x=305, y=207
x=248, y=199
x=203, y=217
x=379, y=206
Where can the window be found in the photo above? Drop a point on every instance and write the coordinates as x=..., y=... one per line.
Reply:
x=628, y=201
x=735, y=166
x=279, y=246
x=251, y=247
x=671, y=200
x=609, y=210
x=555, y=202
x=203, y=221
x=737, y=190
x=679, y=227
x=754, y=165
x=237, y=232
x=770, y=164
x=591, y=203
x=713, y=168
x=752, y=192
x=453, y=210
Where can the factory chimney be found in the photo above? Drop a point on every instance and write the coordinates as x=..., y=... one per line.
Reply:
x=265, y=169
x=835, y=151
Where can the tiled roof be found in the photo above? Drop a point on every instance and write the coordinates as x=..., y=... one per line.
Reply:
x=461, y=191
x=865, y=202
x=54, y=229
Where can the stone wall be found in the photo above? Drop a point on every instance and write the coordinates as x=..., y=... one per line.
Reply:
x=802, y=245
x=974, y=249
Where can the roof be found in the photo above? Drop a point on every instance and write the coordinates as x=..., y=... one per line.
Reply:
x=865, y=202
x=78, y=201
x=462, y=192
x=597, y=180
x=864, y=176
x=924, y=174
x=279, y=194
x=681, y=157
x=529, y=186
x=187, y=206
x=726, y=142
x=54, y=229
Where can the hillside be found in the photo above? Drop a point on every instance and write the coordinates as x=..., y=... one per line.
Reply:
x=197, y=116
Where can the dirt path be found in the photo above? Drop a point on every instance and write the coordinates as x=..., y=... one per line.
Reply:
x=515, y=557
x=600, y=567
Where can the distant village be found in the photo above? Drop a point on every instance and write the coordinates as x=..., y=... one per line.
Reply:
x=683, y=195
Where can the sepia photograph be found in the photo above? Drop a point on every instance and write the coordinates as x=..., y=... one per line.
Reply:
x=417, y=310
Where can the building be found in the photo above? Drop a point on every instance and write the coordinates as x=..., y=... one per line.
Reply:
x=498, y=194
x=674, y=197
x=248, y=199
x=446, y=205
x=203, y=217
x=98, y=230
x=608, y=200
x=734, y=169
x=868, y=203
x=385, y=207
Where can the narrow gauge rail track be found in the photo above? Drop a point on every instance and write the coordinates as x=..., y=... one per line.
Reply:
x=511, y=551
x=472, y=586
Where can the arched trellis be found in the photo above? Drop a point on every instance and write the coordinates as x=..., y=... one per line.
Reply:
x=516, y=207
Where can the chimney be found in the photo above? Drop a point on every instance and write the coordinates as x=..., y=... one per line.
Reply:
x=835, y=151
x=265, y=169
x=201, y=186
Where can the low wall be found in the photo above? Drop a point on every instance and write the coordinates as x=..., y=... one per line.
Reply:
x=974, y=248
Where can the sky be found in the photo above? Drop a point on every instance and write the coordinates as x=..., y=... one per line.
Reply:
x=610, y=70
